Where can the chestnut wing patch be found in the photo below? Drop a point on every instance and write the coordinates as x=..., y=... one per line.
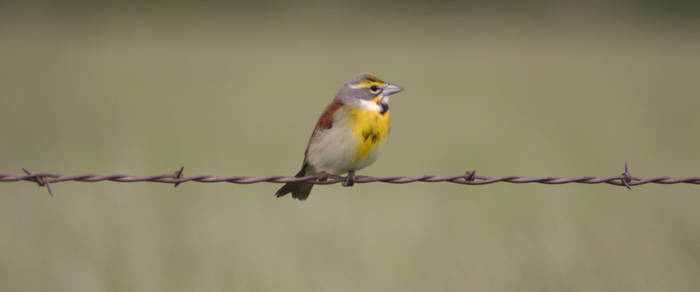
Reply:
x=326, y=120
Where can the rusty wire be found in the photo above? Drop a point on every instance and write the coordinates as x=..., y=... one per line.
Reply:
x=469, y=178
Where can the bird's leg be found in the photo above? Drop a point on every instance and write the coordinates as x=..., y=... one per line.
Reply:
x=350, y=179
x=323, y=176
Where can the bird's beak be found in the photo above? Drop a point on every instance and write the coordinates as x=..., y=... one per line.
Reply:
x=391, y=89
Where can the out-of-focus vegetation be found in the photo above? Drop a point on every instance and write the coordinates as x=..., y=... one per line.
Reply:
x=235, y=90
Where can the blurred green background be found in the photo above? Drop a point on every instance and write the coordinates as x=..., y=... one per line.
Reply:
x=538, y=88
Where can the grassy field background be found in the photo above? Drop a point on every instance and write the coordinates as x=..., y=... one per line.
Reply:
x=234, y=92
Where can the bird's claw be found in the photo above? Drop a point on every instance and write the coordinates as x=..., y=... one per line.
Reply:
x=350, y=179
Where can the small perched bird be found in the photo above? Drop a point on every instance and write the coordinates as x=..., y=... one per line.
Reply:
x=349, y=133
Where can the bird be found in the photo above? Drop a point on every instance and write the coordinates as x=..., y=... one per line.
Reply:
x=349, y=134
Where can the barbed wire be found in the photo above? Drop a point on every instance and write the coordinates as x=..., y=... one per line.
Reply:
x=469, y=178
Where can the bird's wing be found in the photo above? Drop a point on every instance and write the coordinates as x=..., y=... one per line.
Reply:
x=325, y=122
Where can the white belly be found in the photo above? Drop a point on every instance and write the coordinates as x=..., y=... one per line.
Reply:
x=333, y=150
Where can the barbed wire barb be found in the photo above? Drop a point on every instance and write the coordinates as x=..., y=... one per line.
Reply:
x=626, y=177
x=41, y=181
x=468, y=178
x=178, y=176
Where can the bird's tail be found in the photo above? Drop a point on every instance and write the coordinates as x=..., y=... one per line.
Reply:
x=299, y=190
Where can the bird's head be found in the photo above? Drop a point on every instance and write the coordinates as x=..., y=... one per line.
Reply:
x=367, y=91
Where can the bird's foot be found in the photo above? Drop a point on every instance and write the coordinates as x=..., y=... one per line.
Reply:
x=323, y=176
x=350, y=179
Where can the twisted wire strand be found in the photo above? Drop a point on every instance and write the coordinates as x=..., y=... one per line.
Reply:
x=469, y=178
x=317, y=179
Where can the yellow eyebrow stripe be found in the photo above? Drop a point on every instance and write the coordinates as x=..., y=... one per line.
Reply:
x=367, y=84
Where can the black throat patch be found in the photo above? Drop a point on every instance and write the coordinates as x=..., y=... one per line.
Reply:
x=385, y=108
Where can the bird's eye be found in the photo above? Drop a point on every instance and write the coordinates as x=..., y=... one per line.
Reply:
x=374, y=89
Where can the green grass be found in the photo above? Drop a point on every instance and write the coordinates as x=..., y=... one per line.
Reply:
x=234, y=94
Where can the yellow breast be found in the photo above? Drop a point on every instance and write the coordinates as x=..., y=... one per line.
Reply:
x=371, y=128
